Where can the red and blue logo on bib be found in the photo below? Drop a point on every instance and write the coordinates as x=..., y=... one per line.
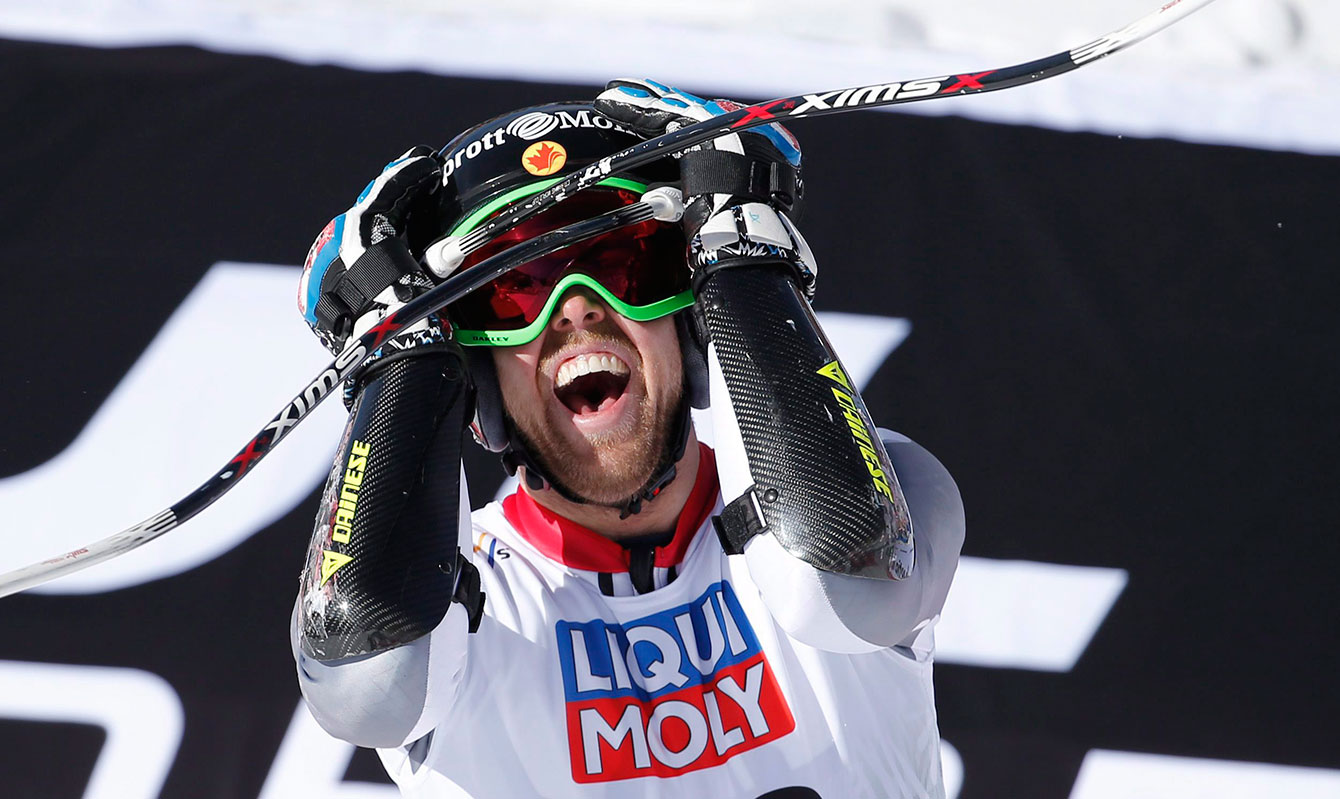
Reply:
x=684, y=689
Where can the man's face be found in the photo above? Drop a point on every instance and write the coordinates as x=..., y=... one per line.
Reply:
x=595, y=397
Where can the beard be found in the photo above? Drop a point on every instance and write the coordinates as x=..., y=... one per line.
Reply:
x=607, y=468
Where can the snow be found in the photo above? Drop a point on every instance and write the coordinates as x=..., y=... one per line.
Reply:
x=1257, y=73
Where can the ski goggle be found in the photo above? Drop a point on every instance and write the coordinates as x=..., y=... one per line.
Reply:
x=639, y=270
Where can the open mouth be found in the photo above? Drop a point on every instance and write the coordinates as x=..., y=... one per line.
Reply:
x=591, y=383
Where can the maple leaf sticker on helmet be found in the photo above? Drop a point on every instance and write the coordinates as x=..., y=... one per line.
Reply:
x=544, y=158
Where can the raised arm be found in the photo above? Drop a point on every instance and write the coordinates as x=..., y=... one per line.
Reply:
x=386, y=595
x=813, y=499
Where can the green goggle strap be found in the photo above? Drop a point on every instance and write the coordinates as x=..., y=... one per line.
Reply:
x=483, y=212
x=527, y=334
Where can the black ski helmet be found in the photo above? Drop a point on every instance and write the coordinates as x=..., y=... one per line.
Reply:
x=530, y=147
x=510, y=157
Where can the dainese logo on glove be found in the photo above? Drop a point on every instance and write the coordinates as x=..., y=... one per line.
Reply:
x=544, y=158
x=330, y=231
x=323, y=238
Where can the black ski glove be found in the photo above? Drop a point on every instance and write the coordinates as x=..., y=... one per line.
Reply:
x=741, y=191
x=360, y=267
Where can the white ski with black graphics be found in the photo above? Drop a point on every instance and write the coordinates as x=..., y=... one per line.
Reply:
x=452, y=251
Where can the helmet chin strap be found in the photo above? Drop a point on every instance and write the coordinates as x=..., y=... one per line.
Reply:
x=516, y=455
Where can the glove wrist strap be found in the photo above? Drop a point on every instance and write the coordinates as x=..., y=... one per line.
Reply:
x=748, y=178
x=378, y=267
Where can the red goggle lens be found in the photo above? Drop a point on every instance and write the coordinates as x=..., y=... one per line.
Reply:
x=640, y=264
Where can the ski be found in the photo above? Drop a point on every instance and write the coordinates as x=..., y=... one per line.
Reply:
x=458, y=285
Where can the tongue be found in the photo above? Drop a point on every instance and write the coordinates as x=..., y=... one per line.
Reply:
x=584, y=406
x=593, y=392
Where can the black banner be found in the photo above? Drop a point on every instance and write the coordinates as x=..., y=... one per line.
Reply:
x=1123, y=349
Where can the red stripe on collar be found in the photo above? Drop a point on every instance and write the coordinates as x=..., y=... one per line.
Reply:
x=577, y=547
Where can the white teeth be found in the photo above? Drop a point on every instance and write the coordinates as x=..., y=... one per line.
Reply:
x=588, y=363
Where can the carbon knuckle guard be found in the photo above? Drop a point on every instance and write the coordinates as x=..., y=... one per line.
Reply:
x=823, y=484
x=384, y=565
